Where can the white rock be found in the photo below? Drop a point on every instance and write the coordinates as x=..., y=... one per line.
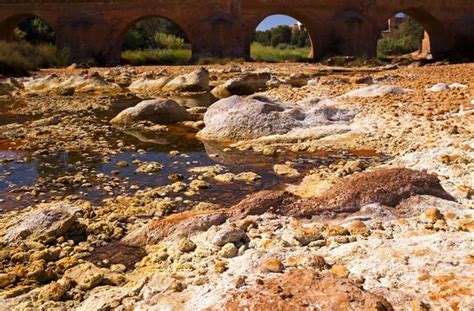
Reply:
x=375, y=91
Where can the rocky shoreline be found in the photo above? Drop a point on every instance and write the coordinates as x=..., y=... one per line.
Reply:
x=385, y=225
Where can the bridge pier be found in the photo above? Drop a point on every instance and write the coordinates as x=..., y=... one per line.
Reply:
x=88, y=39
x=218, y=37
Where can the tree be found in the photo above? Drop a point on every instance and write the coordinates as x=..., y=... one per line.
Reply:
x=405, y=39
x=283, y=36
x=35, y=30
x=144, y=34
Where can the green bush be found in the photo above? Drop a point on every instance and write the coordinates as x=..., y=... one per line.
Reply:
x=169, y=42
x=157, y=57
x=270, y=54
x=35, y=30
x=150, y=34
x=17, y=58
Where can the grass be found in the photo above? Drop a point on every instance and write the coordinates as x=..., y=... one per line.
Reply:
x=18, y=58
x=157, y=57
x=261, y=53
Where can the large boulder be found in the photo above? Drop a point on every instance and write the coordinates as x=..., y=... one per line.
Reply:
x=236, y=118
x=161, y=111
x=300, y=289
x=48, y=222
x=196, y=81
x=245, y=84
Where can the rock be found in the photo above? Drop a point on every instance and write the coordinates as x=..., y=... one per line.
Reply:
x=432, y=215
x=225, y=178
x=52, y=84
x=86, y=276
x=228, y=251
x=183, y=224
x=147, y=85
x=442, y=87
x=197, y=81
x=7, y=89
x=228, y=234
x=220, y=267
x=375, y=91
x=357, y=227
x=271, y=265
x=439, y=87
x=245, y=84
x=308, y=235
x=458, y=86
x=122, y=164
x=185, y=245
x=286, y=170
x=337, y=231
x=297, y=79
x=299, y=289
x=363, y=80
x=340, y=271
x=248, y=177
x=55, y=291
x=236, y=118
x=198, y=185
x=208, y=170
x=161, y=111
x=49, y=222
x=149, y=168
x=385, y=186
x=388, y=187
x=7, y=279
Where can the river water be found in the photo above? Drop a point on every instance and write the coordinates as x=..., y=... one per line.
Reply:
x=28, y=178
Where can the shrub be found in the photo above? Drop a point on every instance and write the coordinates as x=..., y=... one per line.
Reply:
x=17, y=58
x=157, y=57
x=147, y=34
x=270, y=54
x=170, y=42
x=406, y=39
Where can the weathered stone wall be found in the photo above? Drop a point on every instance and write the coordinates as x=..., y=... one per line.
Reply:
x=224, y=28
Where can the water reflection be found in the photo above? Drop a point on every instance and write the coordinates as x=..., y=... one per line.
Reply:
x=29, y=178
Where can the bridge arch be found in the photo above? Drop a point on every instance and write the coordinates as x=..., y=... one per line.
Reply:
x=181, y=30
x=251, y=26
x=9, y=24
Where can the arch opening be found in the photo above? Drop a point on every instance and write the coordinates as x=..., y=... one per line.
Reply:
x=155, y=41
x=280, y=38
x=410, y=34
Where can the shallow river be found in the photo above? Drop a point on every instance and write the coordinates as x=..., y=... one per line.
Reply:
x=27, y=178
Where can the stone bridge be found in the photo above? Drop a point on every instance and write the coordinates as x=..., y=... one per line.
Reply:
x=94, y=29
